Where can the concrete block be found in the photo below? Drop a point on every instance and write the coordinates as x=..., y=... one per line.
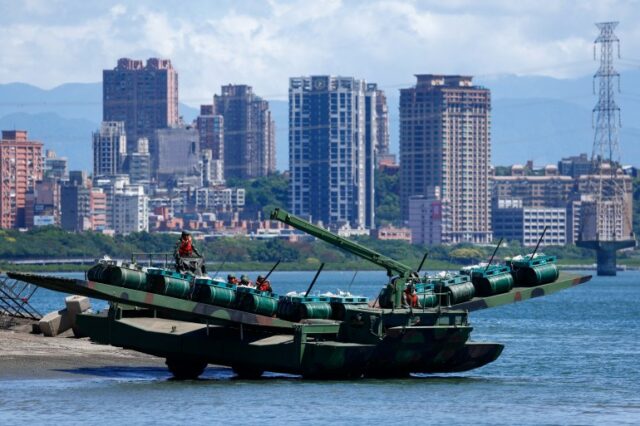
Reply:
x=55, y=323
x=77, y=304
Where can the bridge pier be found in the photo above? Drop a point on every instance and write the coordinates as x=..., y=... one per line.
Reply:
x=606, y=254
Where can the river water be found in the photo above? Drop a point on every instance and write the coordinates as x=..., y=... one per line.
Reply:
x=569, y=358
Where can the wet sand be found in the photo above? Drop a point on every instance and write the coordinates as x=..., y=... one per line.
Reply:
x=27, y=355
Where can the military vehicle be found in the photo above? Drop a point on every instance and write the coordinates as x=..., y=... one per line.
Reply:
x=193, y=321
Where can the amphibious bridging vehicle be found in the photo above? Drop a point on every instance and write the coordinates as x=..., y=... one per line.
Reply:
x=192, y=321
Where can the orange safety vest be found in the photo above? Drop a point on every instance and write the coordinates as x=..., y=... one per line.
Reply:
x=264, y=286
x=186, y=249
x=411, y=298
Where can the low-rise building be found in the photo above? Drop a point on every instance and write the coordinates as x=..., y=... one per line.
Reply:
x=513, y=222
x=392, y=233
x=425, y=218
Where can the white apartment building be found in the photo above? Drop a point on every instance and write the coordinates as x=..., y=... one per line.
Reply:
x=131, y=210
x=109, y=148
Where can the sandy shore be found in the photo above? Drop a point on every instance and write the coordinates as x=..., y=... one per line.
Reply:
x=26, y=355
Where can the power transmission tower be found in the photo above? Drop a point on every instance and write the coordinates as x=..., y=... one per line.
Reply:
x=606, y=208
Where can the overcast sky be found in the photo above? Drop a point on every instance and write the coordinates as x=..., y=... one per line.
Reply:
x=262, y=43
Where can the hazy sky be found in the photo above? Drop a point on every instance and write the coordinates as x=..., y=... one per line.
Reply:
x=262, y=43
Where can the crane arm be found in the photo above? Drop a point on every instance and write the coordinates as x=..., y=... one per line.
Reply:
x=389, y=264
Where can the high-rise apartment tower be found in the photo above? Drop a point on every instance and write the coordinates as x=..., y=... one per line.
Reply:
x=109, y=149
x=21, y=166
x=445, y=142
x=331, y=146
x=144, y=96
x=249, y=132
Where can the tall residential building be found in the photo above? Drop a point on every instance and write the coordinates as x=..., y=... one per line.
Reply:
x=211, y=131
x=177, y=153
x=140, y=163
x=249, y=132
x=21, y=166
x=445, y=143
x=109, y=148
x=329, y=158
x=382, y=122
x=144, y=96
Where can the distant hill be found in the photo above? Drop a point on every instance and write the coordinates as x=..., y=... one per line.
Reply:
x=538, y=118
x=68, y=137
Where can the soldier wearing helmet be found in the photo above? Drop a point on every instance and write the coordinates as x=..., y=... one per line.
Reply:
x=245, y=281
x=185, y=251
x=263, y=284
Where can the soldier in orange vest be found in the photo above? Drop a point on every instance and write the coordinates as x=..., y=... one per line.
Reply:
x=263, y=284
x=186, y=249
x=410, y=296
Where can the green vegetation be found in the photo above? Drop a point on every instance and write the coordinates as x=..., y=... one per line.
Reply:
x=243, y=254
x=264, y=194
x=387, y=198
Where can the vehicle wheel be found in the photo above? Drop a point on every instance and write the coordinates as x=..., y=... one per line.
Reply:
x=246, y=372
x=185, y=368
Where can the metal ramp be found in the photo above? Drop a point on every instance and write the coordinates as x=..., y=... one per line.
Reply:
x=14, y=301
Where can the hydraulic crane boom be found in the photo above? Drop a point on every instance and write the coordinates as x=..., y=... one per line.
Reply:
x=389, y=264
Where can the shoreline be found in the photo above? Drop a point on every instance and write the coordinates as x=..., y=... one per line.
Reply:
x=24, y=355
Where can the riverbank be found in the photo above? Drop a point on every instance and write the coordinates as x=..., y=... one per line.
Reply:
x=26, y=355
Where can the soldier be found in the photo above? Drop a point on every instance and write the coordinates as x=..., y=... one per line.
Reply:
x=231, y=279
x=245, y=281
x=263, y=284
x=410, y=295
x=185, y=249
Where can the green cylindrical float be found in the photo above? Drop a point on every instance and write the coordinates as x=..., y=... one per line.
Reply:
x=175, y=287
x=129, y=278
x=495, y=284
x=427, y=300
x=215, y=295
x=258, y=304
x=455, y=293
x=99, y=273
x=315, y=310
x=285, y=308
x=538, y=274
x=169, y=286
